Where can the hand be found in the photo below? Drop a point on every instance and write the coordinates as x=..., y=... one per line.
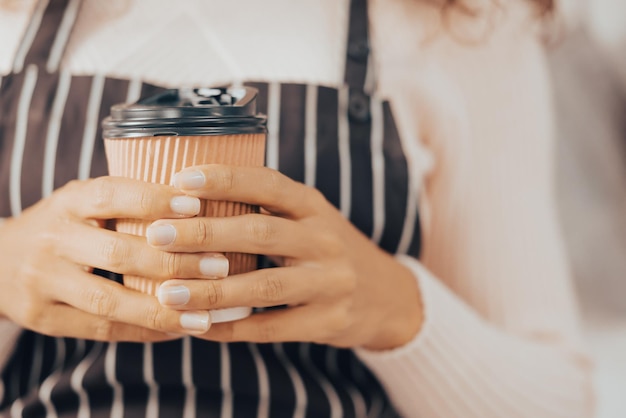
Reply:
x=341, y=289
x=47, y=255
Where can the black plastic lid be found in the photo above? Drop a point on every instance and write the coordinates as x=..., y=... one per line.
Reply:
x=188, y=112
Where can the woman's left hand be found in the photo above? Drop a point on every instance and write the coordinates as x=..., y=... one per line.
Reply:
x=340, y=288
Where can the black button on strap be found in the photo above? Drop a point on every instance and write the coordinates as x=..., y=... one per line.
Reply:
x=359, y=107
x=359, y=51
x=358, y=46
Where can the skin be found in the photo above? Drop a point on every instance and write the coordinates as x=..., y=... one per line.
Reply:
x=48, y=253
x=341, y=288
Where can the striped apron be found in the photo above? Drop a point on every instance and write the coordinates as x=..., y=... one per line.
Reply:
x=342, y=141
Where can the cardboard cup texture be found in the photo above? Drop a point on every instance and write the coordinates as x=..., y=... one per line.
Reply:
x=157, y=159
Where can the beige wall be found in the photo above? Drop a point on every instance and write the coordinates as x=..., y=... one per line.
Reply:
x=607, y=21
x=590, y=86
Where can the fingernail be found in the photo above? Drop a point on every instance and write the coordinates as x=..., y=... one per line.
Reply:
x=189, y=180
x=195, y=321
x=161, y=234
x=173, y=295
x=214, y=266
x=185, y=205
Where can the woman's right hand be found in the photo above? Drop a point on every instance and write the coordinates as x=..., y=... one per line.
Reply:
x=47, y=255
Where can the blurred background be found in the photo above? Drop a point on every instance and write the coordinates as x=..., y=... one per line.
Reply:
x=589, y=73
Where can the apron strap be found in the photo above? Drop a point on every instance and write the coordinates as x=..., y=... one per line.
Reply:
x=46, y=36
x=358, y=48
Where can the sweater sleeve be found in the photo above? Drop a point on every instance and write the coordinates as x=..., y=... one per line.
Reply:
x=459, y=365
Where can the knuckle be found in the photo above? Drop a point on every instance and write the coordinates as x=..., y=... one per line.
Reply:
x=204, y=233
x=34, y=274
x=307, y=195
x=267, y=332
x=47, y=241
x=171, y=264
x=346, y=280
x=276, y=183
x=146, y=201
x=228, y=332
x=61, y=196
x=102, y=192
x=101, y=301
x=145, y=334
x=331, y=245
x=270, y=289
x=155, y=318
x=115, y=252
x=32, y=314
x=30, y=272
x=103, y=330
x=213, y=292
x=222, y=179
x=339, y=320
x=260, y=230
x=72, y=186
x=313, y=197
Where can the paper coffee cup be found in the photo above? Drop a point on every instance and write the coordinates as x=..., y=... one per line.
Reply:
x=154, y=139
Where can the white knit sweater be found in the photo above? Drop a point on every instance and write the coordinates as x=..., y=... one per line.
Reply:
x=500, y=338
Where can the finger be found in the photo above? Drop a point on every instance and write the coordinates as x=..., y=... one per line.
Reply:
x=305, y=323
x=254, y=185
x=66, y=321
x=253, y=233
x=261, y=288
x=112, y=301
x=129, y=254
x=117, y=197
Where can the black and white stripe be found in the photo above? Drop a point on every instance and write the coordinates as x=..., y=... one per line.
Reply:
x=345, y=162
x=295, y=387
x=152, y=408
x=54, y=127
x=62, y=35
x=334, y=402
x=19, y=142
x=378, y=166
x=310, y=135
x=273, y=125
x=332, y=365
x=110, y=360
x=29, y=36
x=92, y=122
x=263, y=410
x=78, y=377
x=45, y=390
x=189, y=409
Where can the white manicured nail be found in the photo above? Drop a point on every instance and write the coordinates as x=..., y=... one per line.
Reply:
x=185, y=205
x=162, y=234
x=173, y=295
x=189, y=180
x=197, y=321
x=215, y=265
